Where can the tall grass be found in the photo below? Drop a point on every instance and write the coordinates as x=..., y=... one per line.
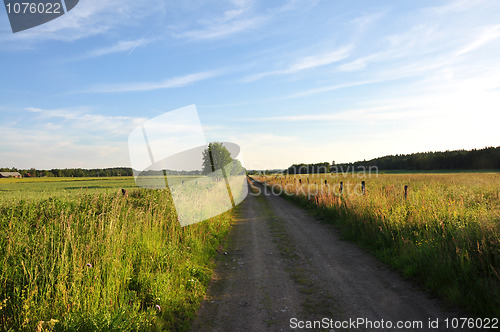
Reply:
x=445, y=234
x=103, y=262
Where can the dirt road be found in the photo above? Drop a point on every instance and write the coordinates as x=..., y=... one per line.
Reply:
x=285, y=269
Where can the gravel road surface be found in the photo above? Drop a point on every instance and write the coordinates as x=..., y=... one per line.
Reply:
x=284, y=269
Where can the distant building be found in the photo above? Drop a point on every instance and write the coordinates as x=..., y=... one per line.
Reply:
x=10, y=175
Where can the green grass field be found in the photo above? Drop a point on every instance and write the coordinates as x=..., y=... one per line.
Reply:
x=76, y=254
x=31, y=189
x=445, y=234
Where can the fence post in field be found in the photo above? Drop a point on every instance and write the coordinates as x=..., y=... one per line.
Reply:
x=406, y=191
x=341, y=186
x=363, y=187
x=326, y=183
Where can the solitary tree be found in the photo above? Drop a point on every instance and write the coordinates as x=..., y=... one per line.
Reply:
x=217, y=157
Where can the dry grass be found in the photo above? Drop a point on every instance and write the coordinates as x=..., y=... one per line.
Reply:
x=446, y=233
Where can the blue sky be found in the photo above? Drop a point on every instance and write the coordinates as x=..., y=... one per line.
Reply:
x=290, y=81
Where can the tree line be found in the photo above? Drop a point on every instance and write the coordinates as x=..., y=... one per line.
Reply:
x=476, y=159
x=482, y=159
x=309, y=168
x=72, y=172
x=215, y=157
x=97, y=172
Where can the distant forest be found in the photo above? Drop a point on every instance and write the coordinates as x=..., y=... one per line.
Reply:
x=483, y=159
x=72, y=172
x=79, y=172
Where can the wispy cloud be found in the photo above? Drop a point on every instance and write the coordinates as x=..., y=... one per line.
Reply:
x=82, y=119
x=332, y=87
x=121, y=46
x=297, y=5
x=256, y=144
x=67, y=137
x=234, y=20
x=305, y=63
x=221, y=30
x=454, y=6
x=488, y=34
x=318, y=60
x=46, y=148
x=175, y=82
x=384, y=113
x=365, y=21
x=357, y=64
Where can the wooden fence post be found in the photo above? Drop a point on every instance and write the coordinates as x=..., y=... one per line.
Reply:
x=406, y=191
x=363, y=187
x=341, y=186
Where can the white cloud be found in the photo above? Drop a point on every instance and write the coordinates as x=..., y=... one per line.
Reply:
x=305, y=63
x=386, y=113
x=454, y=7
x=296, y=5
x=262, y=150
x=234, y=20
x=81, y=120
x=150, y=86
x=488, y=35
x=358, y=64
x=332, y=87
x=318, y=60
x=67, y=137
x=221, y=30
x=44, y=148
x=120, y=46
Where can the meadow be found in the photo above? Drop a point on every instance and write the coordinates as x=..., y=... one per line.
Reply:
x=34, y=189
x=445, y=234
x=77, y=254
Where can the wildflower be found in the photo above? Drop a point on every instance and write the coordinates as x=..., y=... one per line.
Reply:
x=158, y=307
x=89, y=265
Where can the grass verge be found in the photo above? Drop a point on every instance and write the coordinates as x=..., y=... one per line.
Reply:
x=103, y=262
